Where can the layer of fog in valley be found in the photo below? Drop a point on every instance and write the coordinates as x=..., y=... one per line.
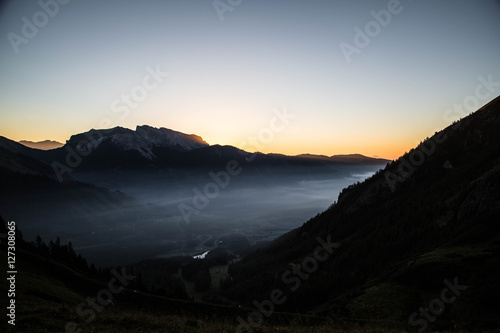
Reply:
x=253, y=208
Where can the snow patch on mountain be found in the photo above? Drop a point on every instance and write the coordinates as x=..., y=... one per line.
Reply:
x=133, y=142
x=164, y=137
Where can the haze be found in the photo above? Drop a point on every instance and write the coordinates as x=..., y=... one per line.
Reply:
x=254, y=208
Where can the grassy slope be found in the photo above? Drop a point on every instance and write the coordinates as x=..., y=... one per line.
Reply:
x=47, y=294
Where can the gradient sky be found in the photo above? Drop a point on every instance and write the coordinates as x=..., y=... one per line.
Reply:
x=227, y=76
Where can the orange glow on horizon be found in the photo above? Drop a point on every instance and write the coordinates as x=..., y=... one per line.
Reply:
x=389, y=152
x=384, y=147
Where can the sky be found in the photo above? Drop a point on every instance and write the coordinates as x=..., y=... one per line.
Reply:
x=322, y=77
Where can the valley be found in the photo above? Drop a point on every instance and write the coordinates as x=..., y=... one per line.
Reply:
x=181, y=200
x=147, y=221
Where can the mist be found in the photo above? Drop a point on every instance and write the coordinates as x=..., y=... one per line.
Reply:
x=179, y=213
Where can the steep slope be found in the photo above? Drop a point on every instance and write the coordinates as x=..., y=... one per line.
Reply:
x=429, y=216
x=18, y=148
x=19, y=162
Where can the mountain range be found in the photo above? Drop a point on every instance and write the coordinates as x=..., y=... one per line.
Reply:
x=117, y=184
x=152, y=148
x=414, y=247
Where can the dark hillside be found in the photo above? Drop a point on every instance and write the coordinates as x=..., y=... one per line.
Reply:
x=431, y=215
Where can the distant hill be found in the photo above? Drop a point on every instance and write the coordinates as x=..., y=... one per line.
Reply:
x=349, y=158
x=429, y=217
x=43, y=145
